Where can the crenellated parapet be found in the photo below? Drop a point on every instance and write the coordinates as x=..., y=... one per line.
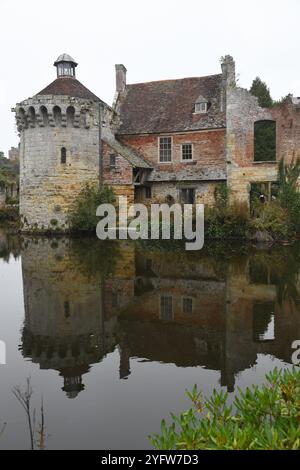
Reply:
x=56, y=111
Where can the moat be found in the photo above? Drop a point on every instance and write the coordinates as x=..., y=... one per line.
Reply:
x=112, y=333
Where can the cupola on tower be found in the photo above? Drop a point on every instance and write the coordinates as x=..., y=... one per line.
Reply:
x=59, y=147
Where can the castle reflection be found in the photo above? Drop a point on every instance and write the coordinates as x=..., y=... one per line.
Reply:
x=83, y=299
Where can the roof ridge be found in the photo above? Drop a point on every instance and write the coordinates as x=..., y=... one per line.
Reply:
x=174, y=80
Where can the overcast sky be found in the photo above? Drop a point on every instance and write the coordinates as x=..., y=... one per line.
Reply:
x=154, y=39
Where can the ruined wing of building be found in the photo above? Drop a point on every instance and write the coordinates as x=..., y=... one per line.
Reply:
x=162, y=141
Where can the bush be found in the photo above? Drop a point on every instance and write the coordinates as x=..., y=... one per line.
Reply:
x=228, y=221
x=265, y=418
x=274, y=219
x=83, y=215
x=9, y=214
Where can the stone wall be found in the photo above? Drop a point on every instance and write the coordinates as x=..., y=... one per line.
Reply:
x=161, y=192
x=242, y=113
x=49, y=187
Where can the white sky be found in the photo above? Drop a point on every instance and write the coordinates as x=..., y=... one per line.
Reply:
x=154, y=39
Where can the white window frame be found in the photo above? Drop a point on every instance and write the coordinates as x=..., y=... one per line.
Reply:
x=158, y=146
x=200, y=110
x=191, y=159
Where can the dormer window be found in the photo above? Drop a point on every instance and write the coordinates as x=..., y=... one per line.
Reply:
x=201, y=105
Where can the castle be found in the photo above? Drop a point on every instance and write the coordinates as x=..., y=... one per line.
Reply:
x=162, y=141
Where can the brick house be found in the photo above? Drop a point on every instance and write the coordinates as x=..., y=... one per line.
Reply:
x=163, y=141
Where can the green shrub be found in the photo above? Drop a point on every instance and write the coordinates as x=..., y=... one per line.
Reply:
x=83, y=217
x=265, y=418
x=289, y=196
x=9, y=214
x=274, y=219
x=227, y=221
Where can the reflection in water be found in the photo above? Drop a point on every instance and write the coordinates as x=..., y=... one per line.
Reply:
x=83, y=299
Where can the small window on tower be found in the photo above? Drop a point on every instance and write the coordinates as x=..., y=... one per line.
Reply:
x=63, y=156
x=112, y=160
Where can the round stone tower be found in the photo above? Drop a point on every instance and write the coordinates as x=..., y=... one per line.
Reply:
x=59, y=148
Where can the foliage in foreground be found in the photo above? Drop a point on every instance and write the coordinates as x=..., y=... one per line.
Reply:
x=83, y=215
x=265, y=418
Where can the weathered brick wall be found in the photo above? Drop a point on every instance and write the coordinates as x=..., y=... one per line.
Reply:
x=121, y=174
x=208, y=150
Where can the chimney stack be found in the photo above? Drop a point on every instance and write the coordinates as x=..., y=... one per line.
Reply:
x=120, y=77
x=228, y=70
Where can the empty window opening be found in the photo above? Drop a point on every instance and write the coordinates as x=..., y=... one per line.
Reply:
x=112, y=161
x=166, y=308
x=187, y=195
x=67, y=309
x=63, y=156
x=265, y=141
x=44, y=115
x=31, y=116
x=187, y=305
x=148, y=192
x=165, y=149
x=57, y=115
x=187, y=152
x=70, y=116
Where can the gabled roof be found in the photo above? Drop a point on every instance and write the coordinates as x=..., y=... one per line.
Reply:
x=131, y=155
x=69, y=86
x=168, y=106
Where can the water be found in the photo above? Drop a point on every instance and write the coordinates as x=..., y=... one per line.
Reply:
x=111, y=334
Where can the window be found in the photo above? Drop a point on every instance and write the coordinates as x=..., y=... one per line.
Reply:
x=188, y=196
x=166, y=308
x=165, y=149
x=148, y=192
x=67, y=309
x=63, y=156
x=263, y=321
x=187, y=305
x=187, y=152
x=265, y=141
x=112, y=160
x=201, y=108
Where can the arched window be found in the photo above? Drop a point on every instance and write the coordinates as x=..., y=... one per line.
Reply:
x=63, y=155
x=70, y=115
x=31, y=116
x=57, y=115
x=44, y=114
x=265, y=141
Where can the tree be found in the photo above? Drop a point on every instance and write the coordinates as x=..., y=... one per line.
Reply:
x=262, y=92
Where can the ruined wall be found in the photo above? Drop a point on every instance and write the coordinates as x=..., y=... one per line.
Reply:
x=48, y=188
x=242, y=113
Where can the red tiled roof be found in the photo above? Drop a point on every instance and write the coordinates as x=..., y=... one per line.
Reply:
x=168, y=106
x=68, y=86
